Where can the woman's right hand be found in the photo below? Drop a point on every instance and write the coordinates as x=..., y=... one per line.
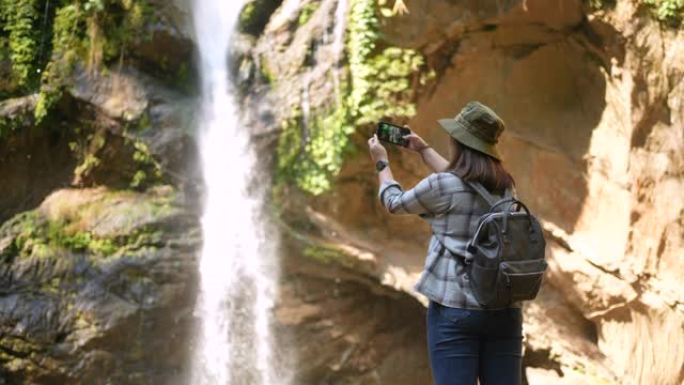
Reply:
x=415, y=142
x=431, y=158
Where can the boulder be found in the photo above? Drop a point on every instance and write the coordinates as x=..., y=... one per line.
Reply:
x=96, y=282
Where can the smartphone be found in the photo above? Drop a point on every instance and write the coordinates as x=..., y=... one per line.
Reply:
x=391, y=133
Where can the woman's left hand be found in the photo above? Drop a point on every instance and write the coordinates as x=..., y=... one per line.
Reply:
x=377, y=150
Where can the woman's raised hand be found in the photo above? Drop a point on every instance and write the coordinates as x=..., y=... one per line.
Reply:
x=377, y=150
x=415, y=142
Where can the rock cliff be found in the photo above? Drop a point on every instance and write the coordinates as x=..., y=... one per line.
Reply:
x=99, y=198
x=591, y=96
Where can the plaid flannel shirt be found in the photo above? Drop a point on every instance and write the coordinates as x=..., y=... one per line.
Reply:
x=452, y=208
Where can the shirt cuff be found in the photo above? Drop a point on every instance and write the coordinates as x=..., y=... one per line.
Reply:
x=384, y=186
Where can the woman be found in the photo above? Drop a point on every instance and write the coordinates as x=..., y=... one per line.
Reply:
x=466, y=342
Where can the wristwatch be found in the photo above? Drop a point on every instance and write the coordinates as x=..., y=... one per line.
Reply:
x=380, y=165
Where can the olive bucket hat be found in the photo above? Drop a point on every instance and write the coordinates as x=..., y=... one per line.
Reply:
x=476, y=126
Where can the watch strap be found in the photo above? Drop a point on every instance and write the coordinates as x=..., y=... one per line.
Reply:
x=381, y=165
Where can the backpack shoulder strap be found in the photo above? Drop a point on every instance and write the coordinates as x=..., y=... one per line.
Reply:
x=483, y=192
x=511, y=193
x=479, y=188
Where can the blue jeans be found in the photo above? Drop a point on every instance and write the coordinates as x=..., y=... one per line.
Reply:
x=465, y=345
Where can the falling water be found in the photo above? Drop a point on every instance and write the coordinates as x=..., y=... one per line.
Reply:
x=237, y=267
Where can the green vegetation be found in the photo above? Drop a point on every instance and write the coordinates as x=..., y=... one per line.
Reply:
x=670, y=12
x=255, y=14
x=9, y=124
x=40, y=238
x=380, y=84
x=330, y=254
x=66, y=49
x=14, y=347
x=247, y=17
x=311, y=154
x=44, y=39
x=36, y=235
x=20, y=19
x=148, y=168
x=381, y=77
x=89, y=149
x=307, y=11
x=385, y=89
x=86, y=151
x=267, y=74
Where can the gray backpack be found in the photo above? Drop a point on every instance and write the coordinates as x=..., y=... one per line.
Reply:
x=507, y=252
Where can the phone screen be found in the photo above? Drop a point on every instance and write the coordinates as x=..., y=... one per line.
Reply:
x=388, y=132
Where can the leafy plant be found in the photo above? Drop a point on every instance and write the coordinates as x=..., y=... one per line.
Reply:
x=255, y=14
x=45, y=39
x=306, y=12
x=20, y=19
x=67, y=45
x=312, y=153
x=380, y=84
x=149, y=169
x=670, y=12
x=381, y=78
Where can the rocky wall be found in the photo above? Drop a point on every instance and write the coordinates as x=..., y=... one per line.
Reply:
x=594, y=139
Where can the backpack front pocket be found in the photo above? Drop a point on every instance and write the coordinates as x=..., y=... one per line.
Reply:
x=483, y=282
x=523, y=278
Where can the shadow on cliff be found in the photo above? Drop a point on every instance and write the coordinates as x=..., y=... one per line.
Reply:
x=550, y=88
x=34, y=161
x=548, y=83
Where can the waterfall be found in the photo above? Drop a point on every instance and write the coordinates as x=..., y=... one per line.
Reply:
x=238, y=269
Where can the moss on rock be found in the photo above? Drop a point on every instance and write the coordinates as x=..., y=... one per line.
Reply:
x=97, y=222
x=670, y=12
x=307, y=11
x=255, y=15
x=311, y=153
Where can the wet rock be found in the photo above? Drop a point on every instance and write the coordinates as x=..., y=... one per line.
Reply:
x=74, y=310
x=162, y=118
x=166, y=50
x=96, y=282
x=362, y=333
x=118, y=94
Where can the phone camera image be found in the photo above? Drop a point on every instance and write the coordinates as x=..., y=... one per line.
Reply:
x=391, y=133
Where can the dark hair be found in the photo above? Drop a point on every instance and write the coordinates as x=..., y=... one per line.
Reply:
x=473, y=165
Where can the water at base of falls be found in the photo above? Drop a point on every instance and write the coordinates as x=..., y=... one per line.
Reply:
x=238, y=269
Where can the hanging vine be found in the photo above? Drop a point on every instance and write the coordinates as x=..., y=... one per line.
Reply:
x=20, y=19
x=44, y=39
x=380, y=83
